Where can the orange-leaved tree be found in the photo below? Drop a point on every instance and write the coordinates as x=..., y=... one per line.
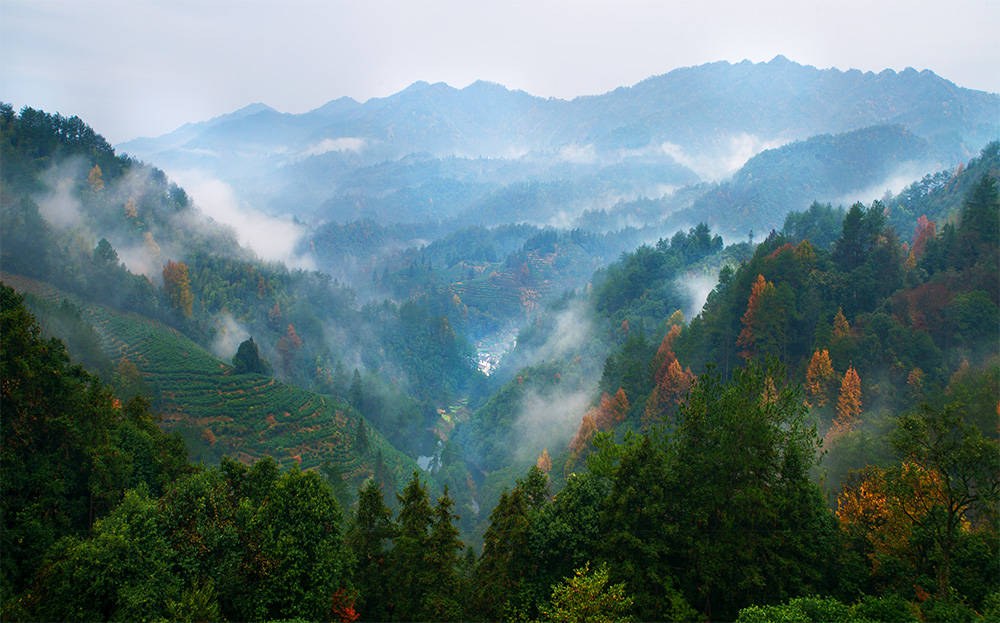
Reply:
x=848, y=405
x=178, y=286
x=818, y=377
x=544, y=461
x=748, y=337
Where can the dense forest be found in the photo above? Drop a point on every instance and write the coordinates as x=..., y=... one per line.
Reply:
x=214, y=437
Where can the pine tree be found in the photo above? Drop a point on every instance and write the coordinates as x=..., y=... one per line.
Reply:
x=407, y=570
x=611, y=411
x=368, y=540
x=587, y=429
x=441, y=603
x=672, y=383
x=131, y=209
x=384, y=477
x=361, y=442
x=506, y=568
x=288, y=345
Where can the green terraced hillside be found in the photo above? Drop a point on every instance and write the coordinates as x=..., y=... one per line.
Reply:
x=219, y=412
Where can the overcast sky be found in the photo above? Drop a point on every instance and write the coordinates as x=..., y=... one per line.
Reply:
x=140, y=68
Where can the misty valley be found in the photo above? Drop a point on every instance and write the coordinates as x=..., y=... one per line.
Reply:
x=723, y=345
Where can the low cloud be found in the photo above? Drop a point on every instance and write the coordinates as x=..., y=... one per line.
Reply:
x=715, y=165
x=548, y=419
x=271, y=238
x=345, y=143
x=145, y=259
x=697, y=288
x=229, y=334
x=894, y=183
x=578, y=154
x=59, y=206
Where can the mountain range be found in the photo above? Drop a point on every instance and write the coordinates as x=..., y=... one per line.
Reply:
x=424, y=152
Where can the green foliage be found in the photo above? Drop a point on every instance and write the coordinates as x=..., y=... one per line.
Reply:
x=368, y=539
x=424, y=558
x=968, y=466
x=828, y=610
x=247, y=359
x=641, y=287
x=506, y=575
x=787, y=178
x=69, y=452
x=750, y=526
x=231, y=542
x=586, y=596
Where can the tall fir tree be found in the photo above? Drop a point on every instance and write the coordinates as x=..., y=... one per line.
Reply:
x=368, y=538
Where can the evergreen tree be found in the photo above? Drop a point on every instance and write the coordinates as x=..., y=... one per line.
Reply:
x=407, y=569
x=441, y=564
x=247, y=359
x=370, y=533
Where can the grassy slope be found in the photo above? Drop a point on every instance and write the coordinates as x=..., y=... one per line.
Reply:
x=218, y=412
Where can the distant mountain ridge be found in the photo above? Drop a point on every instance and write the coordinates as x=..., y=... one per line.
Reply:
x=485, y=154
x=777, y=98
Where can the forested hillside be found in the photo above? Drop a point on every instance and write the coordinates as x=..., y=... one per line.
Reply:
x=798, y=425
x=124, y=236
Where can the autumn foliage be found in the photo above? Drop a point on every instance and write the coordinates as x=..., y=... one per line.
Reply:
x=818, y=378
x=925, y=232
x=848, y=405
x=288, y=345
x=544, y=462
x=608, y=413
x=747, y=339
x=95, y=179
x=672, y=382
x=583, y=434
x=885, y=510
x=841, y=328
x=178, y=286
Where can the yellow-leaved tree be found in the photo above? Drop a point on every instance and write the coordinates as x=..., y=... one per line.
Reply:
x=818, y=377
x=178, y=286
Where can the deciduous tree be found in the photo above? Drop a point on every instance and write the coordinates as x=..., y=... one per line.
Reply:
x=178, y=286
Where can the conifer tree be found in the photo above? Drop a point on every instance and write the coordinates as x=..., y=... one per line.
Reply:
x=368, y=539
x=848, y=405
x=818, y=377
x=588, y=426
x=441, y=603
x=925, y=232
x=407, y=558
x=752, y=317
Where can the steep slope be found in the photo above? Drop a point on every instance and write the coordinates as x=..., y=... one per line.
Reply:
x=823, y=168
x=220, y=412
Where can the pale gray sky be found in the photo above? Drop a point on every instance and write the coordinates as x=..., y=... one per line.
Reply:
x=141, y=68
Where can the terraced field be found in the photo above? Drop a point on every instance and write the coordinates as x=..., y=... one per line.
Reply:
x=219, y=412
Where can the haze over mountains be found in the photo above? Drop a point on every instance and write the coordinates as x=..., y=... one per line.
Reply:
x=634, y=338
x=436, y=153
